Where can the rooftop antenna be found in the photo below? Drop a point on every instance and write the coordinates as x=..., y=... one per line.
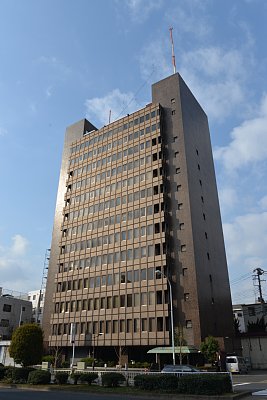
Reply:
x=109, y=117
x=173, y=56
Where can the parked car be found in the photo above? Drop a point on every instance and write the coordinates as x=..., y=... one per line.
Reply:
x=179, y=369
x=236, y=364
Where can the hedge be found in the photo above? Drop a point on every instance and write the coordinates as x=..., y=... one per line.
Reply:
x=88, y=378
x=61, y=377
x=112, y=379
x=39, y=377
x=163, y=382
x=205, y=384
x=199, y=384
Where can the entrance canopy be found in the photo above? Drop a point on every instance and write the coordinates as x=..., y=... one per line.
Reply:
x=177, y=349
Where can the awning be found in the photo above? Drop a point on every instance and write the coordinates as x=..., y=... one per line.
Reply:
x=177, y=349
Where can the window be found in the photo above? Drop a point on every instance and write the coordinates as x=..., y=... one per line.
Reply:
x=188, y=324
x=183, y=247
x=173, y=101
x=178, y=170
x=7, y=307
x=173, y=112
x=186, y=296
x=180, y=206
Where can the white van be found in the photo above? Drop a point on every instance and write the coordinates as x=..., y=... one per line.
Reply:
x=236, y=364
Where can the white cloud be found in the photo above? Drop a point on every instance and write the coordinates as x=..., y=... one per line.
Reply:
x=246, y=240
x=263, y=203
x=228, y=197
x=140, y=9
x=216, y=78
x=19, y=245
x=3, y=131
x=249, y=142
x=13, y=265
x=190, y=18
x=119, y=103
x=154, y=62
x=48, y=91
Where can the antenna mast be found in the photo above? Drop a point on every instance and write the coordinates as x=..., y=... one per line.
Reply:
x=109, y=117
x=173, y=56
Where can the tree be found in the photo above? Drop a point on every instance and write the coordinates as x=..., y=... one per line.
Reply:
x=210, y=347
x=236, y=326
x=257, y=327
x=27, y=345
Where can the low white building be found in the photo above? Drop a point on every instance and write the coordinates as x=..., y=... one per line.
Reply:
x=37, y=299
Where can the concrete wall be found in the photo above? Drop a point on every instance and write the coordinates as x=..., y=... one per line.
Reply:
x=255, y=348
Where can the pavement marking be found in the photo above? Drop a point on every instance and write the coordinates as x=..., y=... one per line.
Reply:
x=240, y=384
x=260, y=393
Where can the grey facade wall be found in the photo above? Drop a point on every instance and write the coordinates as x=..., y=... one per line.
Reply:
x=199, y=268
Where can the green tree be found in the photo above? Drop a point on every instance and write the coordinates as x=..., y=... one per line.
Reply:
x=236, y=326
x=258, y=327
x=209, y=348
x=27, y=345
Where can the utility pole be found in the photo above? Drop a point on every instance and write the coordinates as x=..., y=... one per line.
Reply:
x=258, y=273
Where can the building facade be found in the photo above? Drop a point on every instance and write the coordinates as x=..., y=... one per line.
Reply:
x=36, y=297
x=14, y=311
x=247, y=314
x=137, y=209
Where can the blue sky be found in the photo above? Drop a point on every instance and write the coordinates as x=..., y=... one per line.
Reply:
x=65, y=60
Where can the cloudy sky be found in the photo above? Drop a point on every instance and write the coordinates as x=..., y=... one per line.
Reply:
x=65, y=60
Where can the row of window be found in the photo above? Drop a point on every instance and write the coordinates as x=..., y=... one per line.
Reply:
x=130, y=276
x=88, y=168
x=128, y=234
x=100, y=177
x=120, y=154
x=113, y=302
x=118, y=185
x=116, y=218
x=119, y=200
x=134, y=325
x=112, y=132
x=134, y=253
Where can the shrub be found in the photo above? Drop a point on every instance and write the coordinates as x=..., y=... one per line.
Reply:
x=65, y=364
x=39, y=377
x=19, y=375
x=163, y=382
x=205, y=384
x=27, y=344
x=112, y=379
x=49, y=358
x=88, y=361
x=61, y=377
x=88, y=378
x=75, y=377
x=2, y=373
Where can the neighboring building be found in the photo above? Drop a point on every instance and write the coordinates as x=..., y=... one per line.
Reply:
x=14, y=311
x=135, y=197
x=246, y=313
x=37, y=299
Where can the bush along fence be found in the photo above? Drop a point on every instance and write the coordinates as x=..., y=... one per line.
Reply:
x=191, y=383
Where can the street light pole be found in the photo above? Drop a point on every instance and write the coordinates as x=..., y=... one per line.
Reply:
x=94, y=336
x=171, y=306
x=72, y=340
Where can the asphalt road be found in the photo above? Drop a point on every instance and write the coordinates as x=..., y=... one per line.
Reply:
x=16, y=394
x=254, y=381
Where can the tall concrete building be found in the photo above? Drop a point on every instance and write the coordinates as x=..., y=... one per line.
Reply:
x=135, y=197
